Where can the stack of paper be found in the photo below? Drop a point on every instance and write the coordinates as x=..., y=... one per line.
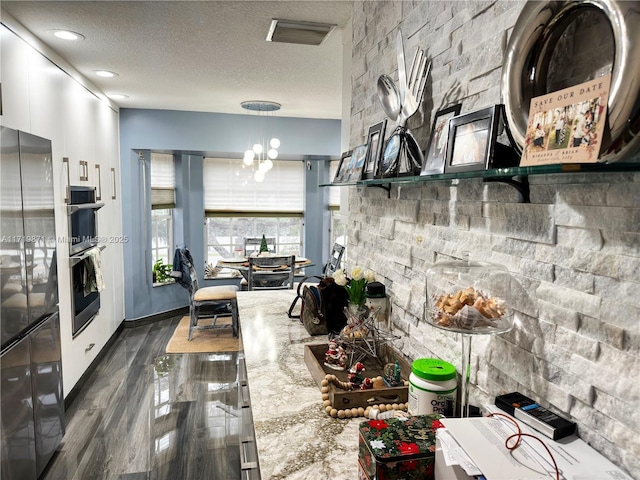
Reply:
x=477, y=445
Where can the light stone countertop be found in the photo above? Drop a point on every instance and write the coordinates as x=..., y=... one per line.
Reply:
x=295, y=437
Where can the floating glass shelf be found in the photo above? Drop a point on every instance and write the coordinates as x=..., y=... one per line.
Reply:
x=514, y=176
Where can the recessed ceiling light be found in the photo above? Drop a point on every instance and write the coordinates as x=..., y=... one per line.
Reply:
x=105, y=73
x=117, y=96
x=68, y=35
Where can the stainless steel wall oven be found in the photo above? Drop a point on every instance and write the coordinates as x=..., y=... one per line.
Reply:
x=83, y=237
x=82, y=208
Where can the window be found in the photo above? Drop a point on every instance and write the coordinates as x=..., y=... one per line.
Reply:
x=225, y=235
x=338, y=229
x=334, y=192
x=161, y=223
x=337, y=233
x=237, y=207
x=162, y=205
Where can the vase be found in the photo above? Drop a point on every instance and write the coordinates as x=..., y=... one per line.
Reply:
x=356, y=313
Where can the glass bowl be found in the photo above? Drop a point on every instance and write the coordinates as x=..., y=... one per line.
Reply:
x=469, y=297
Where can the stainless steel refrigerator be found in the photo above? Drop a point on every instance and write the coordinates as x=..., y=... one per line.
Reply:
x=32, y=402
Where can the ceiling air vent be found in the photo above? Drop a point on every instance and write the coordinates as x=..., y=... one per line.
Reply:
x=302, y=33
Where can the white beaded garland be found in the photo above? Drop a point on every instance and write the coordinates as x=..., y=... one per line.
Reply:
x=355, y=411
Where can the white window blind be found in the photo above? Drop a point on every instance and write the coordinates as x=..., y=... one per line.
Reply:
x=230, y=187
x=334, y=192
x=163, y=181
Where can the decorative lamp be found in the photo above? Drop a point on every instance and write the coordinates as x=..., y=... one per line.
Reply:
x=261, y=151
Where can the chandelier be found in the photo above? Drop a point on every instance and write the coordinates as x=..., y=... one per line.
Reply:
x=260, y=151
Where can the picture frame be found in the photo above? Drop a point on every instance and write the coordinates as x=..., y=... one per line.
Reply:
x=375, y=142
x=355, y=164
x=345, y=158
x=436, y=151
x=472, y=144
x=568, y=125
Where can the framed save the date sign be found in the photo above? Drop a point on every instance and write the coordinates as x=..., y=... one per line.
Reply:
x=566, y=126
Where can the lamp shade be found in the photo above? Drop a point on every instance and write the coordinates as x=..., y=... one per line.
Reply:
x=249, y=155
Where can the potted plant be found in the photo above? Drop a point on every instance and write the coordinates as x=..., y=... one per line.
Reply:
x=162, y=272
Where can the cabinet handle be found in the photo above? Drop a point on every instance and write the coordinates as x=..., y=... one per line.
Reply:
x=67, y=199
x=245, y=401
x=99, y=185
x=113, y=179
x=84, y=171
x=91, y=345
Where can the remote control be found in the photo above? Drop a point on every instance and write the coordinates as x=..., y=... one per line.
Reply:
x=537, y=417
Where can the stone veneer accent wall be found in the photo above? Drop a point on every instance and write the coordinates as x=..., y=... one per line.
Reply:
x=574, y=250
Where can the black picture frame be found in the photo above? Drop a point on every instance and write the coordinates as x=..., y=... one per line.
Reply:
x=472, y=140
x=345, y=158
x=375, y=142
x=436, y=151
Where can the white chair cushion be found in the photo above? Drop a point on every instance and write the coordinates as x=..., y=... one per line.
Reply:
x=222, y=292
x=19, y=301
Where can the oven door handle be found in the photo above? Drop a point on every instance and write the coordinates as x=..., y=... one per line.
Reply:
x=83, y=206
x=76, y=259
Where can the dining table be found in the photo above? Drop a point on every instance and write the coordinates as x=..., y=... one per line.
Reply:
x=241, y=264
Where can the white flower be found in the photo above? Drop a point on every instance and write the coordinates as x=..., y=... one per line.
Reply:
x=370, y=276
x=377, y=444
x=357, y=273
x=340, y=277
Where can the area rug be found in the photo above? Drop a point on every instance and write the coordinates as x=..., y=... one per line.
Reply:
x=204, y=341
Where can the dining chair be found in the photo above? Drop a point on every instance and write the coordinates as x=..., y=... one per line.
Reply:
x=252, y=245
x=334, y=260
x=207, y=302
x=271, y=273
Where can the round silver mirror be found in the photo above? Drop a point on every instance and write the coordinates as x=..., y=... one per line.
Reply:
x=559, y=44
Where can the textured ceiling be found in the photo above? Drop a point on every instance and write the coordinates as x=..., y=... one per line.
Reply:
x=204, y=56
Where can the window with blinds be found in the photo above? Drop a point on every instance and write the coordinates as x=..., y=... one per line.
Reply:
x=238, y=207
x=163, y=201
x=163, y=181
x=229, y=187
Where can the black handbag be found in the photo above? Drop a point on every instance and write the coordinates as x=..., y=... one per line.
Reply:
x=322, y=306
x=311, y=314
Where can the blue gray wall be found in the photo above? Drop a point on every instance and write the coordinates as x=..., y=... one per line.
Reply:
x=191, y=136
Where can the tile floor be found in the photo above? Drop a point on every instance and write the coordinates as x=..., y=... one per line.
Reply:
x=143, y=414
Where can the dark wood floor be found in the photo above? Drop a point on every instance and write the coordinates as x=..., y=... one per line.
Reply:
x=144, y=414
